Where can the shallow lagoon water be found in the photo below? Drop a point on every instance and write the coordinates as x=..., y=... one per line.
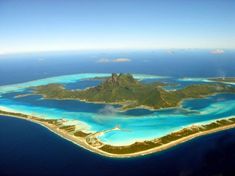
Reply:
x=136, y=125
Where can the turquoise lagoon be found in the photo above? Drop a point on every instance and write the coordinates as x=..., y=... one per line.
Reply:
x=136, y=125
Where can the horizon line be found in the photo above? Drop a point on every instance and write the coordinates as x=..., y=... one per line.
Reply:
x=108, y=49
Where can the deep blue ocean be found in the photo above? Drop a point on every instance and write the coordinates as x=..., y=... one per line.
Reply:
x=29, y=149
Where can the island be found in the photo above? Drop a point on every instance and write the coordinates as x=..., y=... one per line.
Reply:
x=129, y=93
x=91, y=142
x=124, y=90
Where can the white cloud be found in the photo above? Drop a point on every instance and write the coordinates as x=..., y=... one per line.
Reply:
x=108, y=110
x=121, y=60
x=105, y=114
x=116, y=60
x=170, y=51
x=217, y=51
x=103, y=60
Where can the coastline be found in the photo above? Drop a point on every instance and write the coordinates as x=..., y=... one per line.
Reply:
x=81, y=141
x=78, y=141
x=124, y=104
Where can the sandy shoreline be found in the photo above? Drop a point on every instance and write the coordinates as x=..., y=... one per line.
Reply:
x=80, y=141
x=76, y=140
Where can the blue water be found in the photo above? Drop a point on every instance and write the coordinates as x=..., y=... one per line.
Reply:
x=29, y=149
x=193, y=63
x=192, y=66
x=136, y=125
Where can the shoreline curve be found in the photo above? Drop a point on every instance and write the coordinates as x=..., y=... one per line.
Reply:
x=81, y=142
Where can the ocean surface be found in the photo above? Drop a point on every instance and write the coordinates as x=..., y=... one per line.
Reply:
x=33, y=149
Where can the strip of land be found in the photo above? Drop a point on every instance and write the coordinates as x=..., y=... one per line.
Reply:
x=91, y=142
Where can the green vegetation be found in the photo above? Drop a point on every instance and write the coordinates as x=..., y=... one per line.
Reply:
x=135, y=147
x=68, y=128
x=13, y=114
x=81, y=134
x=123, y=89
x=56, y=122
x=145, y=145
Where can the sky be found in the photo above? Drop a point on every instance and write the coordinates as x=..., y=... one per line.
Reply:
x=54, y=25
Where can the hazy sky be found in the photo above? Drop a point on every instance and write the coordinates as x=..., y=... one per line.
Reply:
x=38, y=25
